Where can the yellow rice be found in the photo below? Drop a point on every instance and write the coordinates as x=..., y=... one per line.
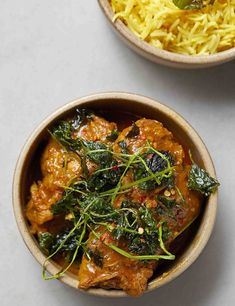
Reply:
x=193, y=32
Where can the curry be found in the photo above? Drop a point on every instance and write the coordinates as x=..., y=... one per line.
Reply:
x=113, y=199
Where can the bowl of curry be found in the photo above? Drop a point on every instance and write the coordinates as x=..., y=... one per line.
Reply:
x=115, y=194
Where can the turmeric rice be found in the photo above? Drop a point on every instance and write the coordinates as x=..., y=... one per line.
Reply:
x=191, y=32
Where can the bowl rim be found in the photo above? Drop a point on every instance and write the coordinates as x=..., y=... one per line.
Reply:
x=206, y=226
x=171, y=57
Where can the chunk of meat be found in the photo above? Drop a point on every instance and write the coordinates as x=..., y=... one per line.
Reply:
x=154, y=132
x=96, y=129
x=117, y=271
x=59, y=168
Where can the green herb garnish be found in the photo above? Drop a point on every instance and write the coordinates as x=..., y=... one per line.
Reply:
x=123, y=145
x=113, y=136
x=152, y=162
x=45, y=242
x=188, y=4
x=135, y=130
x=98, y=152
x=96, y=257
x=166, y=201
x=201, y=181
x=69, y=200
x=64, y=131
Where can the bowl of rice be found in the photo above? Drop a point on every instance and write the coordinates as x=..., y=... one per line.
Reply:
x=176, y=33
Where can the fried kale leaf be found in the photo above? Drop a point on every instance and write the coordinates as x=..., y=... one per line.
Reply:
x=200, y=180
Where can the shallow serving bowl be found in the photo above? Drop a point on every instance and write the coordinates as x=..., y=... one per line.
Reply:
x=28, y=164
x=161, y=56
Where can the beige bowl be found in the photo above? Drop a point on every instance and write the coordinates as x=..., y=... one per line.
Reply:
x=161, y=56
x=26, y=172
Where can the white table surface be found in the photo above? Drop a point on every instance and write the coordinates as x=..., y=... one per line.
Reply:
x=52, y=52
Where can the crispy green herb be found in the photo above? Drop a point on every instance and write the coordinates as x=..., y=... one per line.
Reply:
x=107, y=178
x=98, y=207
x=109, y=172
x=63, y=132
x=49, y=243
x=69, y=246
x=69, y=200
x=158, y=161
x=98, y=153
x=137, y=225
x=123, y=145
x=168, y=255
x=166, y=233
x=96, y=257
x=189, y=4
x=71, y=256
x=146, y=216
x=166, y=201
x=81, y=118
x=113, y=136
x=166, y=207
x=135, y=130
x=45, y=242
x=153, y=162
x=201, y=181
x=146, y=243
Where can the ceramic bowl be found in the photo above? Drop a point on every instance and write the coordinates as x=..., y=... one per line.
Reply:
x=161, y=56
x=26, y=169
